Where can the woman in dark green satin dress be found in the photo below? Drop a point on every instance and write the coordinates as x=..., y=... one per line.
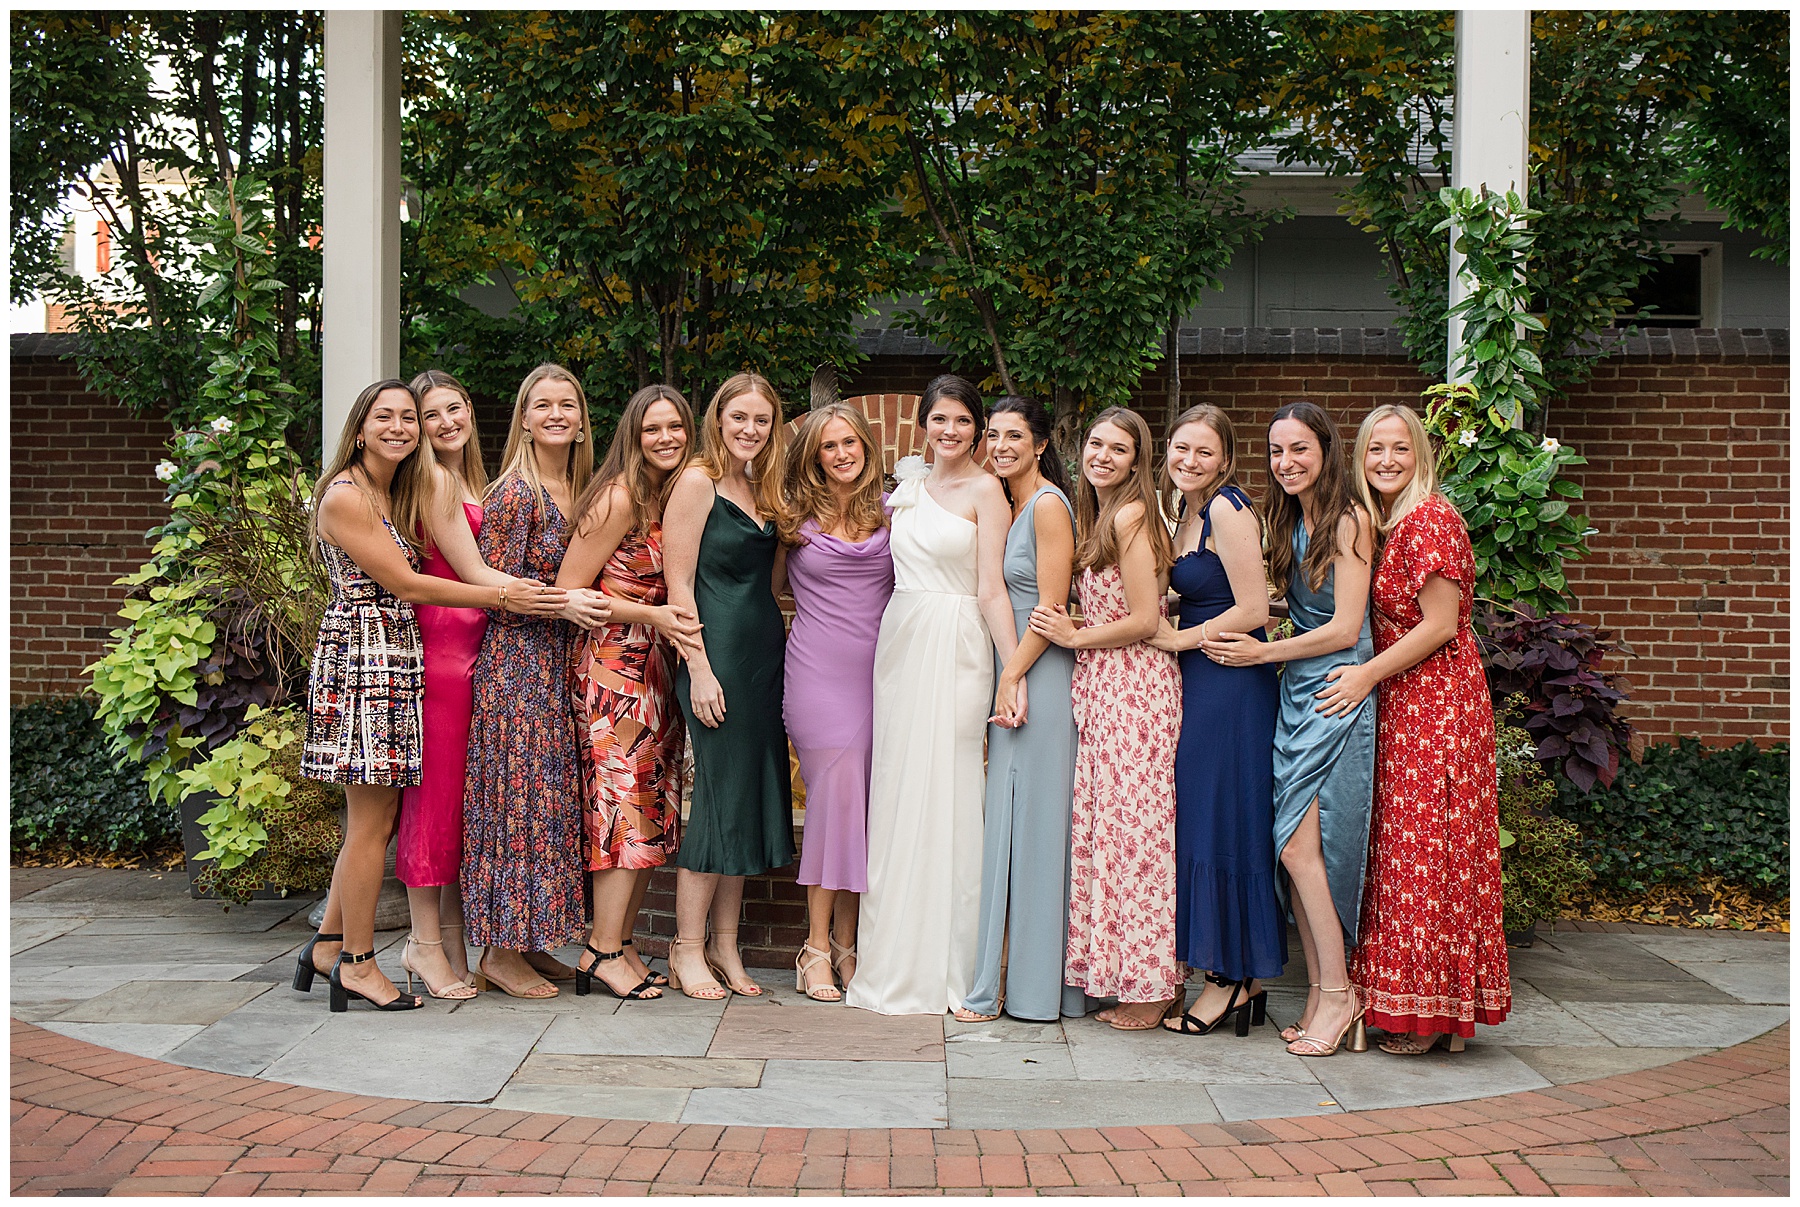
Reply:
x=722, y=558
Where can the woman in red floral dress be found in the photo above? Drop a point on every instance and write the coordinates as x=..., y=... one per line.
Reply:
x=1432, y=959
x=631, y=732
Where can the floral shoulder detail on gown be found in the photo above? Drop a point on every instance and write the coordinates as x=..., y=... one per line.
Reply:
x=910, y=474
x=911, y=469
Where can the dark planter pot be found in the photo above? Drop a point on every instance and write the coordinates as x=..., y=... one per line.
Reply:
x=193, y=841
x=1522, y=938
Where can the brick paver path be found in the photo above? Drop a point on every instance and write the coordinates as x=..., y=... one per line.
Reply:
x=88, y=1119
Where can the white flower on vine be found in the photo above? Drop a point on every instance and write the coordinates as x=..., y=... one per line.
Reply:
x=1468, y=438
x=221, y=425
x=1550, y=444
x=166, y=470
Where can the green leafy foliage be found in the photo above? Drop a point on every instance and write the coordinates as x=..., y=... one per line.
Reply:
x=1736, y=142
x=1541, y=864
x=1505, y=483
x=226, y=473
x=1495, y=356
x=1688, y=811
x=68, y=788
x=269, y=825
x=1370, y=96
x=1071, y=177
x=138, y=113
x=673, y=196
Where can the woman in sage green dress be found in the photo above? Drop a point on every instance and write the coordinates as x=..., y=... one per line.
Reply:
x=1321, y=544
x=723, y=559
x=1031, y=742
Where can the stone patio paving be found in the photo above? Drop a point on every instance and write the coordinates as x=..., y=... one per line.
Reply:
x=126, y=960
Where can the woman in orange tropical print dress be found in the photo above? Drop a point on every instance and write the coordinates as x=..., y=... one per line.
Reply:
x=631, y=732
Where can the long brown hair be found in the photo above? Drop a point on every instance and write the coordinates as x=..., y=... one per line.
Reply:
x=1096, y=526
x=808, y=492
x=518, y=459
x=408, y=493
x=764, y=471
x=1220, y=423
x=624, y=461
x=1332, y=501
x=473, y=468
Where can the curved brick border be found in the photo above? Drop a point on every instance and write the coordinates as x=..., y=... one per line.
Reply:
x=88, y=1119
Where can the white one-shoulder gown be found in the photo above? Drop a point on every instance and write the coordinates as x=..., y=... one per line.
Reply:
x=934, y=690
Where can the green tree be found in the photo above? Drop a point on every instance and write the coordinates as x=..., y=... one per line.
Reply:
x=675, y=196
x=1071, y=178
x=243, y=98
x=1734, y=143
x=1371, y=94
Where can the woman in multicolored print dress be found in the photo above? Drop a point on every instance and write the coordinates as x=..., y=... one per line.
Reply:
x=630, y=730
x=363, y=697
x=1432, y=961
x=1128, y=716
x=522, y=869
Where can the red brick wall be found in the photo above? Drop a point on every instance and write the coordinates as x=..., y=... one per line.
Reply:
x=83, y=495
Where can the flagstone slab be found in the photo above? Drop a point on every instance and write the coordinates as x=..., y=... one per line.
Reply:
x=431, y=1055
x=29, y=932
x=643, y=1031
x=814, y=1031
x=1564, y=1066
x=1670, y=1025
x=1690, y=990
x=140, y=1039
x=249, y=1040
x=830, y=1093
x=650, y=1105
x=1751, y=970
x=1361, y=1081
x=1002, y=1103
x=642, y=1072
x=73, y=949
x=189, y=1002
x=1010, y=1061
x=1103, y=1054
x=1537, y=1021
x=1002, y=1030
x=1239, y=1102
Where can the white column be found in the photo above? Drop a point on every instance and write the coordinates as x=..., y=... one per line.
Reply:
x=362, y=208
x=1493, y=117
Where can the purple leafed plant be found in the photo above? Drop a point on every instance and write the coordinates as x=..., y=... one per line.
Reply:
x=1571, y=703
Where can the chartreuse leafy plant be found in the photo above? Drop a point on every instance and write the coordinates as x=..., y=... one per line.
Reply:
x=1505, y=483
x=164, y=659
x=269, y=825
x=1540, y=859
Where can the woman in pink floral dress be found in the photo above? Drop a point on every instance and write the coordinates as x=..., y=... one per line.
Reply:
x=1128, y=717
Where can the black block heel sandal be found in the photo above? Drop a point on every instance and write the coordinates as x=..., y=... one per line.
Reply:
x=656, y=978
x=585, y=978
x=340, y=996
x=304, y=972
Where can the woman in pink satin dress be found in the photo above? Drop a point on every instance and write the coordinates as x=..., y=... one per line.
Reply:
x=429, y=848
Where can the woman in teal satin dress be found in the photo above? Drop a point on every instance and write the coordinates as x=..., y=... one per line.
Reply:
x=1321, y=544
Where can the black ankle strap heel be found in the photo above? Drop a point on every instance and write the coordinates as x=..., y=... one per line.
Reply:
x=340, y=996
x=304, y=971
x=584, y=977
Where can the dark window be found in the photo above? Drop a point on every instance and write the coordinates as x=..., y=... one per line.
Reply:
x=1668, y=295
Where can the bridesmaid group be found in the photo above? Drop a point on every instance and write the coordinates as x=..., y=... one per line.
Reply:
x=1054, y=758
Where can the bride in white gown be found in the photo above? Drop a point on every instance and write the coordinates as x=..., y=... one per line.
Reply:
x=934, y=689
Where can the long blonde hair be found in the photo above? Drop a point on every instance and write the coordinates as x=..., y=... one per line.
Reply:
x=764, y=471
x=624, y=462
x=808, y=492
x=410, y=491
x=1220, y=423
x=473, y=468
x=1424, y=482
x=1096, y=526
x=518, y=459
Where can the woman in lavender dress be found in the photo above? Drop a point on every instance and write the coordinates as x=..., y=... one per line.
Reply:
x=841, y=574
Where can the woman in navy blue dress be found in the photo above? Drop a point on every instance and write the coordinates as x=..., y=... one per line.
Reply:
x=1227, y=919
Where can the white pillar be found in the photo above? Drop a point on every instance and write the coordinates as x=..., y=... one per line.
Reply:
x=1493, y=117
x=362, y=208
